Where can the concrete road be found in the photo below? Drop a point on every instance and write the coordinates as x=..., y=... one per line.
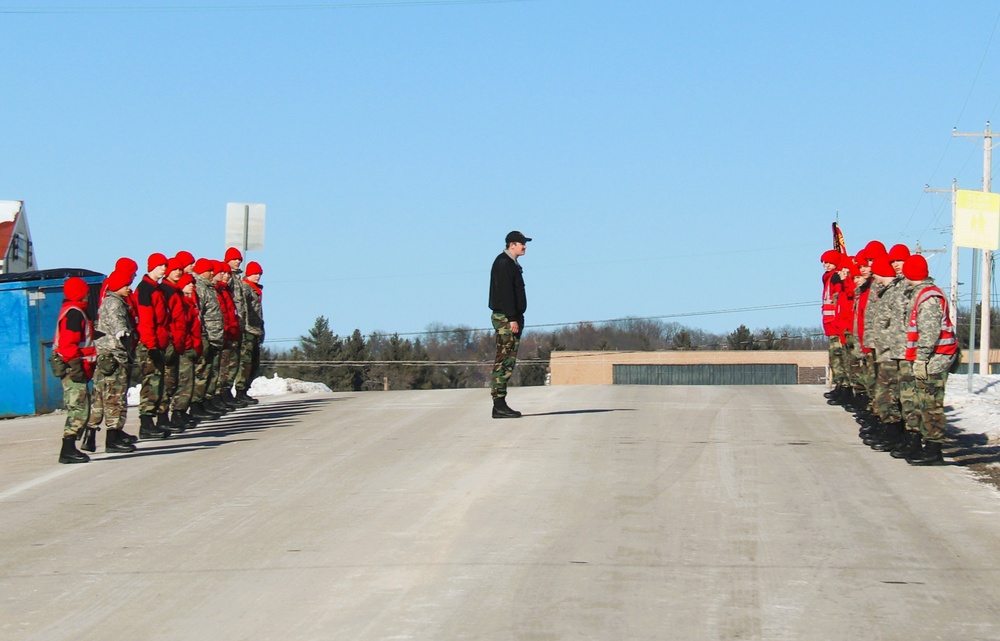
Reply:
x=606, y=513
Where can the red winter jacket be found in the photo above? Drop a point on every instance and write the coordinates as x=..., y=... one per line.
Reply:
x=230, y=323
x=194, y=323
x=152, y=313
x=74, y=336
x=177, y=315
x=832, y=286
x=845, y=309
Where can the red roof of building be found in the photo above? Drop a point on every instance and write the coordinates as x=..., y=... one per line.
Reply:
x=6, y=231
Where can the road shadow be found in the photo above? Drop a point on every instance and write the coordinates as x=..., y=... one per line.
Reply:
x=216, y=432
x=969, y=449
x=570, y=412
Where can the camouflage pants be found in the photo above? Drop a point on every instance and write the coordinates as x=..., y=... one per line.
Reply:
x=228, y=362
x=249, y=361
x=151, y=387
x=184, y=387
x=109, y=403
x=923, y=402
x=169, y=384
x=862, y=371
x=202, y=369
x=886, y=399
x=838, y=362
x=213, y=365
x=76, y=400
x=506, y=358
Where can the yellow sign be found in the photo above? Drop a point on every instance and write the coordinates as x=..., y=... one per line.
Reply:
x=977, y=220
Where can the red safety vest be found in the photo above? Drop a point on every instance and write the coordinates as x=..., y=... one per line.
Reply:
x=946, y=343
x=830, y=290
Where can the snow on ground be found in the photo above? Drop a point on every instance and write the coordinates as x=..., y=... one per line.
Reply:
x=261, y=386
x=976, y=411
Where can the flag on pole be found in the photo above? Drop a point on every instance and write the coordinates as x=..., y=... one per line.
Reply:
x=838, y=239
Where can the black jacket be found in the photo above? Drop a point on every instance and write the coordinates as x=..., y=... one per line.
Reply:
x=507, y=288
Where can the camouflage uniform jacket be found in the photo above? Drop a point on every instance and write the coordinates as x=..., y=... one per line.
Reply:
x=255, y=311
x=891, y=320
x=872, y=311
x=114, y=328
x=240, y=295
x=210, y=311
x=929, y=317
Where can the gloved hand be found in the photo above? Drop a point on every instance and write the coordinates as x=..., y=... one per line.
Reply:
x=156, y=356
x=920, y=370
x=107, y=364
x=170, y=355
x=74, y=369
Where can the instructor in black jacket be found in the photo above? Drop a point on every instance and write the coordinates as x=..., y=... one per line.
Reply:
x=508, y=302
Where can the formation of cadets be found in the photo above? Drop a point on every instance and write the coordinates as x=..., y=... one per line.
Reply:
x=892, y=345
x=193, y=329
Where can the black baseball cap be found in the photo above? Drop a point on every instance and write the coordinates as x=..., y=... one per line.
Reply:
x=516, y=237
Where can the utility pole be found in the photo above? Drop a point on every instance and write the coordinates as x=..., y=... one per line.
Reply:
x=984, y=327
x=953, y=294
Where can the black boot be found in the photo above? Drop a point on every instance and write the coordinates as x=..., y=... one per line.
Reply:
x=893, y=434
x=218, y=405
x=89, y=441
x=147, y=430
x=908, y=445
x=178, y=423
x=125, y=437
x=228, y=400
x=113, y=442
x=501, y=410
x=929, y=454
x=69, y=453
x=246, y=399
x=199, y=411
x=874, y=435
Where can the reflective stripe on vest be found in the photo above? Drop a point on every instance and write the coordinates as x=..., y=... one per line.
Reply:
x=946, y=342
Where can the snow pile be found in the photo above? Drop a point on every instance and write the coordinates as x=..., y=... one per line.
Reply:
x=261, y=386
x=275, y=386
x=978, y=411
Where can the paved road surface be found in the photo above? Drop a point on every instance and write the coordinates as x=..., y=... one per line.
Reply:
x=607, y=513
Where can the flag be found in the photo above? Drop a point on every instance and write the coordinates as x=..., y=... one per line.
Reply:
x=838, y=239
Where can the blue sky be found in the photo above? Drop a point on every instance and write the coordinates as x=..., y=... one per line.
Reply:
x=667, y=158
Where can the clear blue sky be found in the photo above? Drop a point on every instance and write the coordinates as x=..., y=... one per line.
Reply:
x=667, y=158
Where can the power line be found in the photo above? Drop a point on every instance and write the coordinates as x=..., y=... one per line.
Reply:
x=454, y=330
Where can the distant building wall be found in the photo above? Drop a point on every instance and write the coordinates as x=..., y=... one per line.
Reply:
x=597, y=368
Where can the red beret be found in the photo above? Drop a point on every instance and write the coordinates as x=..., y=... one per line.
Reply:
x=915, y=268
x=874, y=249
x=899, y=252
x=881, y=267
x=119, y=279
x=174, y=264
x=127, y=265
x=185, y=258
x=253, y=267
x=185, y=280
x=75, y=288
x=222, y=267
x=233, y=254
x=831, y=256
x=155, y=260
x=203, y=265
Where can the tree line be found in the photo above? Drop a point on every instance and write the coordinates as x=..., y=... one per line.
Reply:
x=449, y=357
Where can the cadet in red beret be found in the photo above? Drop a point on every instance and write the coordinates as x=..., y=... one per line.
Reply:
x=73, y=355
x=834, y=290
x=931, y=348
x=154, y=337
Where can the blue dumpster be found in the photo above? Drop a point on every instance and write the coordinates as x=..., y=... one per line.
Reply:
x=29, y=308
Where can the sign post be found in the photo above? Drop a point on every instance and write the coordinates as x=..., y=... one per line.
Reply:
x=977, y=225
x=245, y=226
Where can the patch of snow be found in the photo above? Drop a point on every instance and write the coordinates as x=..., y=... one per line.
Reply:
x=976, y=411
x=261, y=386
